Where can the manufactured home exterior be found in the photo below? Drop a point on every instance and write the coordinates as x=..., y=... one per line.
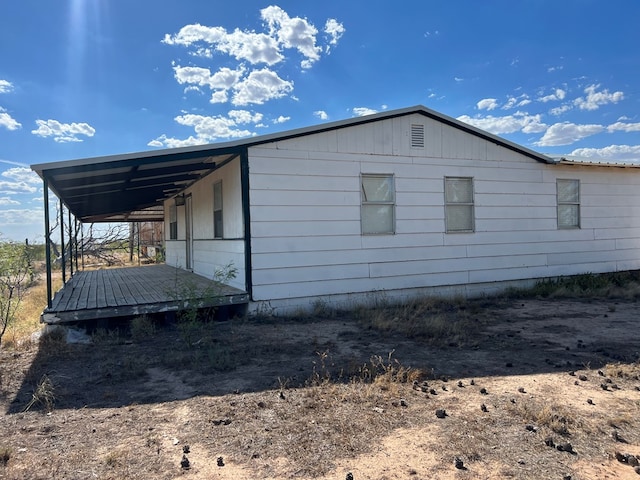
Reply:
x=397, y=205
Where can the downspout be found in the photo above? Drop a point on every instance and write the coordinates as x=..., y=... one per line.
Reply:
x=246, y=213
x=47, y=241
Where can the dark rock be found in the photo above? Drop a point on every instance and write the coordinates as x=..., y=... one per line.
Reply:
x=483, y=407
x=565, y=447
x=589, y=401
x=522, y=390
x=220, y=462
x=549, y=442
x=483, y=391
x=458, y=463
x=441, y=413
x=349, y=476
x=185, y=449
x=185, y=463
x=583, y=378
x=531, y=428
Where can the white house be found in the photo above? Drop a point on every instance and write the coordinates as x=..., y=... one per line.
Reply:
x=401, y=203
x=392, y=205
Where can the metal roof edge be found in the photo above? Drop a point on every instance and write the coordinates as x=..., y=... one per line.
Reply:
x=234, y=145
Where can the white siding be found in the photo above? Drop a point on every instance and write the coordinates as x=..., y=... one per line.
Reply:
x=305, y=213
x=209, y=254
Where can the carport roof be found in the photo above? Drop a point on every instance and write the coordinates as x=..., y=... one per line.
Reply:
x=132, y=186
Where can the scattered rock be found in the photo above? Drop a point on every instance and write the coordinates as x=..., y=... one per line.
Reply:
x=441, y=413
x=473, y=382
x=349, y=476
x=589, y=401
x=261, y=404
x=403, y=403
x=460, y=384
x=604, y=386
x=185, y=464
x=583, y=378
x=637, y=470
x=282, y=397
x=220, y=462
x=483, y=391
x=433, y=392
x=601, y=373
x=483, y=407
x=531, y=428
x=549, y=442
x=457, y=461
x=617, y=437
x=221, y=421
x=522, y=390
x=185, y=449
x=572, y=373
x=565, y=447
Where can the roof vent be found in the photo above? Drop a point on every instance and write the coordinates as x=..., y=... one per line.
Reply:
x=417, y=136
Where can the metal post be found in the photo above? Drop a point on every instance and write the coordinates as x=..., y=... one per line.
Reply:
x=71, y=245
x=64, y=258
x=47, y=241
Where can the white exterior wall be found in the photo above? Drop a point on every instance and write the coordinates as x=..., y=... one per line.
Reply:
x=209, y=253
x=305, y=214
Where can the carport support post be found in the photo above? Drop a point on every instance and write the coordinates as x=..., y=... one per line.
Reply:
x=64, y=259
x=71, y=244
x=47, y=240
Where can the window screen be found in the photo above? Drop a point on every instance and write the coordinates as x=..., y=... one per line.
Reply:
x=458, y=201
x=378, y=204
x=217, y=211
x=568, y=193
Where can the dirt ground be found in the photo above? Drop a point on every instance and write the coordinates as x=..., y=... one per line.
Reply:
x=329, y=397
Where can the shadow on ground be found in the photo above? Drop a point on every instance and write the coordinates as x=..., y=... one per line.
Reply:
x=518, y=337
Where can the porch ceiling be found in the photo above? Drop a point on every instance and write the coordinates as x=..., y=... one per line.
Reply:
x=128, y=188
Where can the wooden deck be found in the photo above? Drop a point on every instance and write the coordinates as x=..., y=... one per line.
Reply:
x=130, y=291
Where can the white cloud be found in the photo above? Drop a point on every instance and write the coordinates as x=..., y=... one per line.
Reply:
x=519, y=101
x=224, y=78
x=594, y=99
x=168, y=142
x=519, y=121
x=7, y=121
x=321, y=114
x=294, y=32
x=487, y=104
x=567, y=133
x=244, y=116
x=209, y=128
x=282, y=119
x=560, y=110
x=63, y=132
x=553, y=69
x=5, y=86
x=624, y=127
x=334, y=30
x=559, y=94
x=458, y=79
x=19, y=180
x=260, y=86
x=612, y=152
x=5, y=201
x=362, y=111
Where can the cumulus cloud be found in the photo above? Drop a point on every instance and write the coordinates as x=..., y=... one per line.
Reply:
x=623, y=127
x=284, y=32
x=7, y=121
x=362, y=111
x=612, y=152
x=321, y=114
x=557, y=95
x=487, y=104
x=567, y=133
x=594, y=99
x=209, y=128
x=519, y=121
x=260, y=86
x=334, y=30
x=560, y=110
x=5, y=201
x=19, y=180
x=282, y=119
x=5, y=86
x=513, y=102
x=63, y=132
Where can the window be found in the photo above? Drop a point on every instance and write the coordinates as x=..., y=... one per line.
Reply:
x=217, y=210
x=458, y=204
x=173, y=222
x=377, y=214
x=568, y=192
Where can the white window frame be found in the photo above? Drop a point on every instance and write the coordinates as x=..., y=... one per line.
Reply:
x=450, y=205
x=368, y=204
x=561, y=202
x=218, y=232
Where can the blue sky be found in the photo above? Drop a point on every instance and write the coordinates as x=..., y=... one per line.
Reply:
x=84, y=78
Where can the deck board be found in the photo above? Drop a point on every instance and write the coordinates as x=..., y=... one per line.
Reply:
x=117, y=292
